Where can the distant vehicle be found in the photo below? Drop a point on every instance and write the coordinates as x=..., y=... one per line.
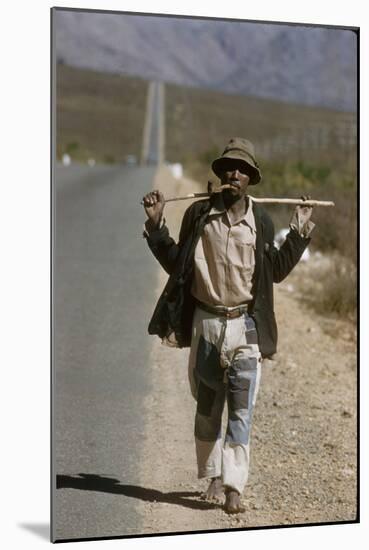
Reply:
x=131, y=160
x=66, y=160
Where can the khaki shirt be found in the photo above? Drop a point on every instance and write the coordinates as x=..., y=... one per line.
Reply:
x=225, y=258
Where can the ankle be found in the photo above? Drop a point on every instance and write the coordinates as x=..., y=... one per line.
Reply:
x=230, y=490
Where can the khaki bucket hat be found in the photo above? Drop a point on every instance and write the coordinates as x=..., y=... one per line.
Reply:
x=239, y=149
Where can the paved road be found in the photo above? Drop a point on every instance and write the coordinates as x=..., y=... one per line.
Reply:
x=153, y=143
x=104, y=275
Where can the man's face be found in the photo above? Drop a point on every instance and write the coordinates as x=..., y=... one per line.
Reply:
x=235, y=176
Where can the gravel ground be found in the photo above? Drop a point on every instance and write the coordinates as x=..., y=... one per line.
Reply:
x=303, y=442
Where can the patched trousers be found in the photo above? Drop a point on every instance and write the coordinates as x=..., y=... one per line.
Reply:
x=224, y=366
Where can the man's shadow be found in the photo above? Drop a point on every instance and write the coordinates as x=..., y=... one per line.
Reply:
x=93, y=482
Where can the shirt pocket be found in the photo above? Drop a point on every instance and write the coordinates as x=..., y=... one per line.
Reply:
x=242, y=250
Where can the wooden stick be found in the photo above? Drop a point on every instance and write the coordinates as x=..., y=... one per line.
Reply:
x=264, y=200
x=189, y=196
x=259, y=200
x=308, y=202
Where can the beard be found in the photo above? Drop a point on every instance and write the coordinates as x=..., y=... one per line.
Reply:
x=231, y=195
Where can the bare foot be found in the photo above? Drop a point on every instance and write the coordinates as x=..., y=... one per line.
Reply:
x=215, y=491
x=233, y=502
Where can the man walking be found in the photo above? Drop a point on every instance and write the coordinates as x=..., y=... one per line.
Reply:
x=219, y=301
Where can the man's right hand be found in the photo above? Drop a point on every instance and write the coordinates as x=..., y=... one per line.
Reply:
x=154, y=205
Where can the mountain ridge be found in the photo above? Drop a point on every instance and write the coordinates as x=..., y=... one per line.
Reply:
x=306, y=65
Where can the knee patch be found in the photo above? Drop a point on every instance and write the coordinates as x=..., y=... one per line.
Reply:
x=205, y=399
x=238, y=396
x=208, y=418
x=241, y=380
x=208, y=363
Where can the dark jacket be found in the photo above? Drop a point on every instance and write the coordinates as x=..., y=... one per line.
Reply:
x=175, y=308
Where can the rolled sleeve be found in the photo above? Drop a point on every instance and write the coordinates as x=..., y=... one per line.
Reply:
x=147, y=232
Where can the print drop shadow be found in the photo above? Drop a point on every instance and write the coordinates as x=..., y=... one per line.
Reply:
x=93, y=482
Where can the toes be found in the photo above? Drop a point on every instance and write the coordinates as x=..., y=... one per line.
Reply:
x=212, y=497
x=231, y=509
x=233, y=503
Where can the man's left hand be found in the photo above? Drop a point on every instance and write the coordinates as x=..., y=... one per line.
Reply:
x=303, y=213
x=300, y=220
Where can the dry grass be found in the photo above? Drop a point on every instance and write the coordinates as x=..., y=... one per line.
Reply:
x=200, y=122
x=328, y=284
x=337, y=292
x=99, y=115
